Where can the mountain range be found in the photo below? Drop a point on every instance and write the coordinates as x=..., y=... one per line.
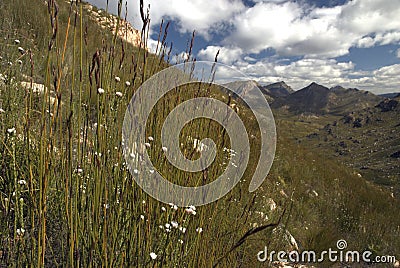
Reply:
x=318, y=99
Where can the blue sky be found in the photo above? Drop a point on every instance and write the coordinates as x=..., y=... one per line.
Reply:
x=332, y=42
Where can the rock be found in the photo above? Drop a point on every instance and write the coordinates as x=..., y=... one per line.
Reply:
x=387, y=105
x=358, y=123
x=342, y=144
x=125, y=30
x=348, y=119
x=312, y=135
x=271, y=203
x=36, y=88
x=395, y=155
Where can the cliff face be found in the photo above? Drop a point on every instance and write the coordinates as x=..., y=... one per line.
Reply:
x=108, y=21
x=128, y=33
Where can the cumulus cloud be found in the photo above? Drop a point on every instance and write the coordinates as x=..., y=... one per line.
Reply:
x=227, y=55
x=302, y=72
x=379, y=39
x=295, y=29
x=203, y=16
x=369, y=16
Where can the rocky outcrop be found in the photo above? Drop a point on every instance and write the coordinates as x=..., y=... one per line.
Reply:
x=388, y=105
x=395, y=155
x=110, y=22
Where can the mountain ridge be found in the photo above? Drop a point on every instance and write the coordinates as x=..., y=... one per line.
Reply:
x=318, y=99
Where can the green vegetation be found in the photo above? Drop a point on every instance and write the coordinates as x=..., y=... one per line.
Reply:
x=67, y=198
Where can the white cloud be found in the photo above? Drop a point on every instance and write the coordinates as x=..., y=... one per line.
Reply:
x=226, y=55
x=379, y=39
x=203, y=16
x=292, y=28
x=398, y=53
x=265, y=25
x=269, y=1
x=369, y=16
x=301, y=73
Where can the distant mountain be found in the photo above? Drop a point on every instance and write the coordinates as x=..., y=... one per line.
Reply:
x=277, y=90
x=249, y=89
x=390, y=95
x=318, y=99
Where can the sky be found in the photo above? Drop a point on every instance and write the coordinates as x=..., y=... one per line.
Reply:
x=352, y=43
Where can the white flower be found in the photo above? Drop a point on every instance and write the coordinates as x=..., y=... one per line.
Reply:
x=163, y=209
x=100, y=91
x=16, y=41
x=142, y=217
x=147, y=145
x=182, y=229
x=153, y=256
x=151, y=138
x=21, y=50
x=22, y=182
x=2, y=111
x=174, y=224
x=199, y=229
x=127, y=83
x=11, y=131
x=190, y=211
x=19, y=61
x=165, y=149
x=119, y=94
x=167, y=225
x=20, y=231
x=117, y=79
x=180, y=241
x=173, y=206
x=151, y=171
x=106, y=206
x=143, y=202
x=136, y=171
x=79, y=170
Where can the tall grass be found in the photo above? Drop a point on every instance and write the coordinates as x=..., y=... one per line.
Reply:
x=68, y=199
